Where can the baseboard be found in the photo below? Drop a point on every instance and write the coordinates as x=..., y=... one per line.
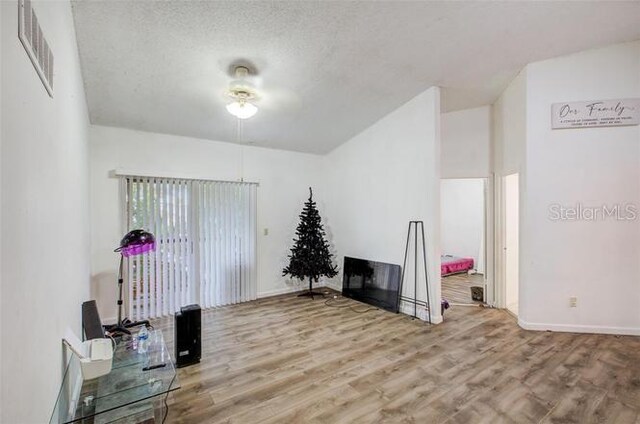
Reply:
x=292, y=289
x=277, y=292
x=269, y=293
x=407, y=309
x=334, y=286
x=590, y=329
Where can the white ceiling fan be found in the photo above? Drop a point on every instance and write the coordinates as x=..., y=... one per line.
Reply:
x=243, y=93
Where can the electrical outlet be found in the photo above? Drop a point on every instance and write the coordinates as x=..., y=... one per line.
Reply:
x=573, y=302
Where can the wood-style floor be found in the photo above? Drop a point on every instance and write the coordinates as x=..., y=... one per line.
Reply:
x=293, y=360
x=456, y=288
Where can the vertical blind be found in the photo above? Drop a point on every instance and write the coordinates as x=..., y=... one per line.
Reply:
x=205, y=244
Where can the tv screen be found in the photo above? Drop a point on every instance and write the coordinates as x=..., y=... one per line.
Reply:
x=375, y=283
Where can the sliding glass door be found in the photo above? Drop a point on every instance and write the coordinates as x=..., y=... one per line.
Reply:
x=205, y=244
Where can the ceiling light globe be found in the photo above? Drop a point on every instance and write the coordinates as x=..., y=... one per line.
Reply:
x=242, y=110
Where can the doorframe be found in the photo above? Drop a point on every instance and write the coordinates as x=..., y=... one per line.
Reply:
x=490, y=240
x=500, y=289
x=489, y=235
x=499, y=292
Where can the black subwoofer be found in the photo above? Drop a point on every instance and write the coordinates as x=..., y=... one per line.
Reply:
x=188, y=336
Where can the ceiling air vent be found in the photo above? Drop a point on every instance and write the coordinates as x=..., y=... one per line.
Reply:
x=35, y=44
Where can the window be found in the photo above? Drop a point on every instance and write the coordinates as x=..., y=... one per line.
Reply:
x=205, y=244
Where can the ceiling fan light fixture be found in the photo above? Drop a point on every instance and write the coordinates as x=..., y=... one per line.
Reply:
x=242, y=109
x=241, y=92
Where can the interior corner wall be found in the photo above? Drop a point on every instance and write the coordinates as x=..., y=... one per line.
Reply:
x=381, y=179
x=509, y=121
x=1, y=273
x=509, y=138
x=45, y=214
x=284, y=178
x=466, y=143
x=596, y=261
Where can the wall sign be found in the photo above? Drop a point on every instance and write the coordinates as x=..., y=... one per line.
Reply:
x=596, y=113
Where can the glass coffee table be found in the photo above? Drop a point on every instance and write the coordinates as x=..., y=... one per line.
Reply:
x=132, y=392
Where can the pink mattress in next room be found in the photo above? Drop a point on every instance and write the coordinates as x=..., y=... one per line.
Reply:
x=453, y=264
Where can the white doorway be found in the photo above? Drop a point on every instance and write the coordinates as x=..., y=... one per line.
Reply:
x=463, y=240
x=511, y=241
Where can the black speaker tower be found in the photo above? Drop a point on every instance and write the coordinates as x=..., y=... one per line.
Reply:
x=188, y=336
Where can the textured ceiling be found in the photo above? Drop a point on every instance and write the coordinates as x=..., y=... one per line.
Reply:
x=325, y=70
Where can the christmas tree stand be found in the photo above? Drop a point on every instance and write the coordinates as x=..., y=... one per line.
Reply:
x=310, y=293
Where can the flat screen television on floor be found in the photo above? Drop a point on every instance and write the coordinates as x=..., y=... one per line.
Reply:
x=375, y=283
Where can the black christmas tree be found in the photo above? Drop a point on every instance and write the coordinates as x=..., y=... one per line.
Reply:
x=310, y=257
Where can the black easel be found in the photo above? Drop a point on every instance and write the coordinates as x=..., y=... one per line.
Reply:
x=415, y=300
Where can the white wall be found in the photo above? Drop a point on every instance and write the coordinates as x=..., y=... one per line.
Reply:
x=598, y=262
x=45, y=212
x=462, y=219
x=466, y=143
x=284, y=179
x=381, y=179
x=389, y=173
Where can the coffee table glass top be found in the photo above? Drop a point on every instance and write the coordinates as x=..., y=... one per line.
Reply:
x=128, y=383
